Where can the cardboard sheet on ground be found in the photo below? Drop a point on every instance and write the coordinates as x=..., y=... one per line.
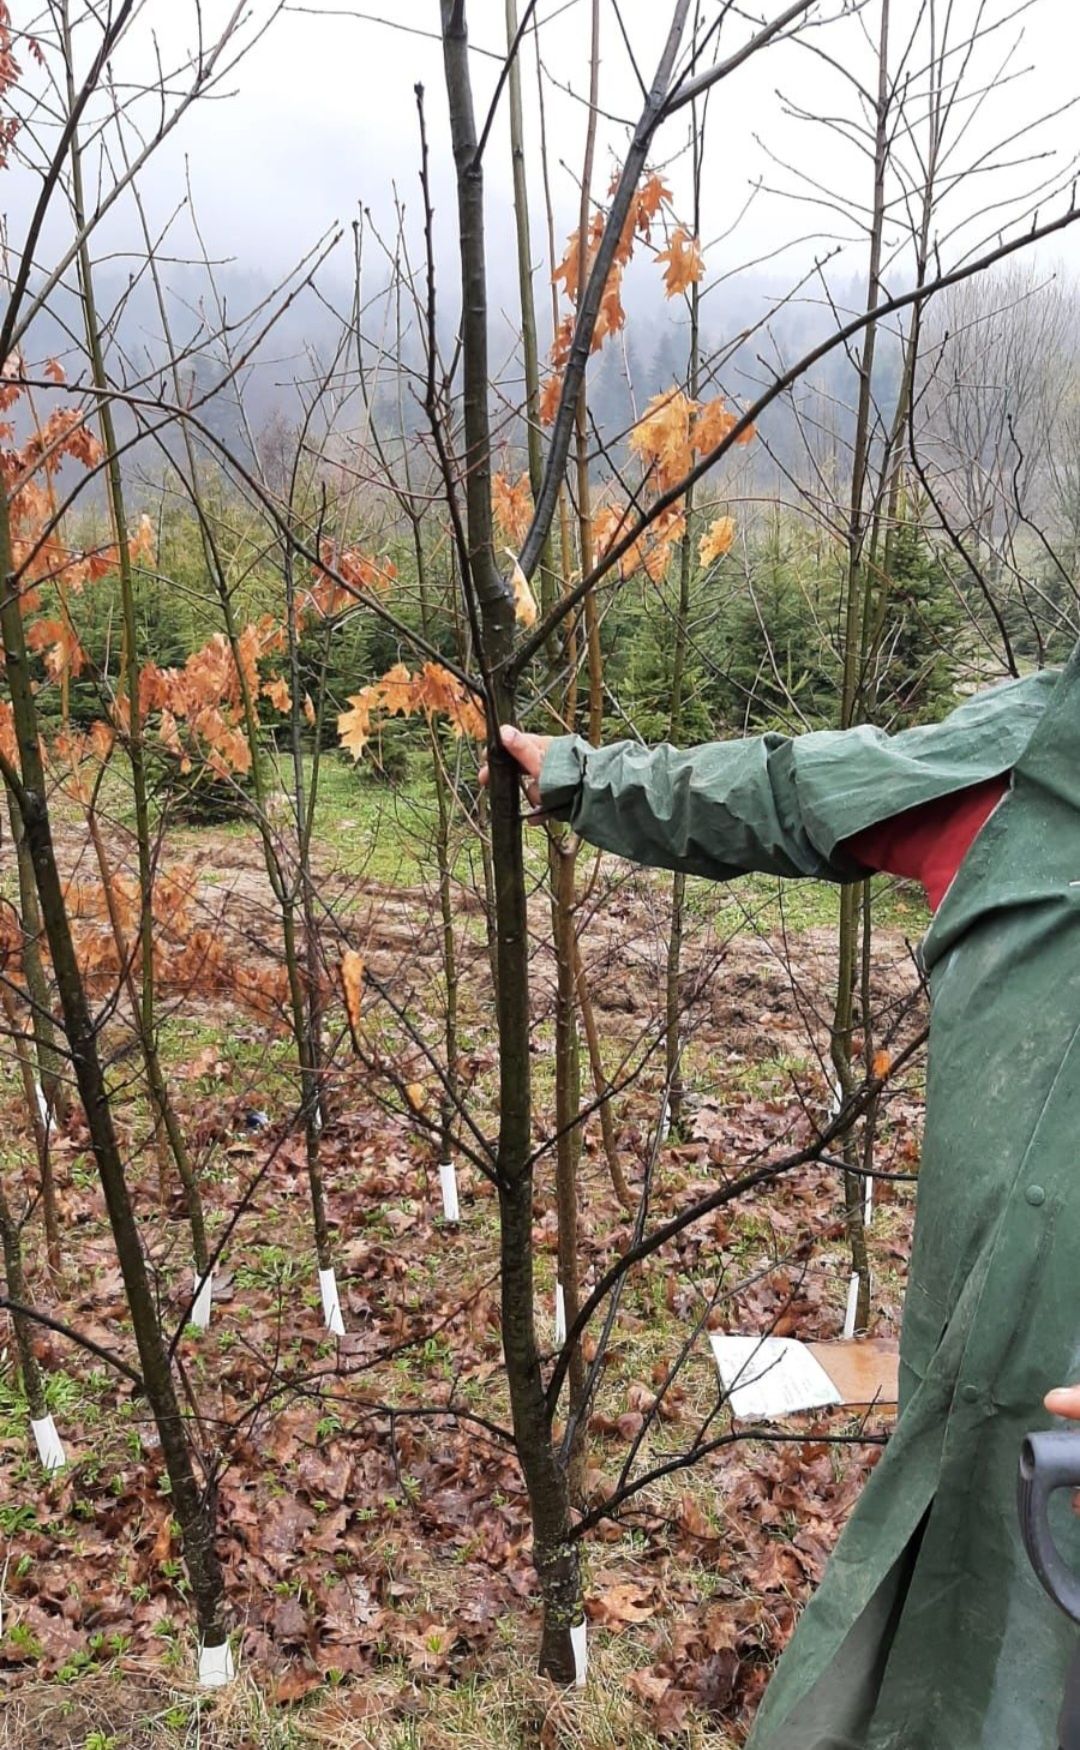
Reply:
x=767, y=1377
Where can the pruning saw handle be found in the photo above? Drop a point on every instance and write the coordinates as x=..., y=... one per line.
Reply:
x=1048, y=1462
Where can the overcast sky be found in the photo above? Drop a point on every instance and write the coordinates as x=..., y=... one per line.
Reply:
x=321, y=120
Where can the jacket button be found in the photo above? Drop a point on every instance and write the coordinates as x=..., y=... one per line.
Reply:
x=1035, y=1195
x=970, y=1394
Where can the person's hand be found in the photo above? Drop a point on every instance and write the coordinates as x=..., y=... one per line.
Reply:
x=1065, y=1401
x=528, y=751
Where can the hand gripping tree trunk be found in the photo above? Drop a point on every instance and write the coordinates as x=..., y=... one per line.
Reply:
x=554, y=1554
x=28, y=786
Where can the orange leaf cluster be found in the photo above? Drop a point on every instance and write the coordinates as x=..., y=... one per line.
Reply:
x=651, y=552
x=513, y=506
x=207, y=697
x=431, y=689
x=572, y=273
x=717, y=540
x=9, y=75
x=348, y=574
x=673, y=430
x=189, y=956
x=39, y=553
x=671, y=434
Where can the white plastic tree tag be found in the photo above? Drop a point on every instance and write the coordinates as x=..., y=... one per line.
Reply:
x=560, y=1316
x=331, y=1304
x=852, y=1305
x=868, y=1201
x=771, y=1376
x=448, y=1186
x=216, y=1666
x=204, y=1296
x=49, y=1444
x=581, y=1653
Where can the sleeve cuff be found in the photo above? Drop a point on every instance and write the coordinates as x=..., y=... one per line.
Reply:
x=562, y=775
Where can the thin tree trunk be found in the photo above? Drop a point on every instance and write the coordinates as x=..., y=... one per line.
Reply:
x=11, y=1246
x=555, y=1556
x=852, y=683
x=142, y=1005
x=192, y=1507
x=50, y=1064
x=40, y=1127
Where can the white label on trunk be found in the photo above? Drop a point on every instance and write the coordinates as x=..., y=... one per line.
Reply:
x=43, y=1104
x=216, y=1666
x=836, y=1098
x=665, y=1117
x=852, y=1305
x=49, y=1444
x=331, y=1305
x=204, y=1295
x=560, y=1316
x=581, y=1653
x=448, y=1184
x=868, y=1202
x=771, y=1376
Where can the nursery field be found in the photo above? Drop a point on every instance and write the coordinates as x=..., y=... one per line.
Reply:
x=376, y=1547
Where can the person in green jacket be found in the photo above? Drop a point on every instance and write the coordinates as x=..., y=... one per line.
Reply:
x=929, y=1630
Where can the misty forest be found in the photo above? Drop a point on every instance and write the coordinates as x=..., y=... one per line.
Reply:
x=388, y=1174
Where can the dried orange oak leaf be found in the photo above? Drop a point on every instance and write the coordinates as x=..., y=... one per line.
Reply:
x=354, y=726
x=417, y=1098
x=352, y=982
x=525, y=609
x=882, y=1064
x=685, y=264
x=717, y=539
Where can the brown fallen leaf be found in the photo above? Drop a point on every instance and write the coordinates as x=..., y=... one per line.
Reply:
x=295, y=1683
x=628, y=1602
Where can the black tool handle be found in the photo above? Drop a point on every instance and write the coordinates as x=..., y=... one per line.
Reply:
x=1048, y=1462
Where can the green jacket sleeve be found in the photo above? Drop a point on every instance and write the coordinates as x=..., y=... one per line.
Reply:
x=778, y=804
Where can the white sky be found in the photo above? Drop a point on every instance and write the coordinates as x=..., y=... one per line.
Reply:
x=322, y=119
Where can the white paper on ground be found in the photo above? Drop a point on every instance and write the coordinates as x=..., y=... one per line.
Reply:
x=49, y=1444
x=560, y=1316
x=448, y=1186
x=204, y=1296
x=771, y=1376
x=216, y=1666
x=581, y=1653
x=852, y=1305
x=331, y=1305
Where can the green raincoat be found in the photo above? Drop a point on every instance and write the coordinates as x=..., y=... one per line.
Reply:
x=929, y=1630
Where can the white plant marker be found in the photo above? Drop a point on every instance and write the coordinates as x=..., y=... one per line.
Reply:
x=216, y=1666
x=43, y=1106
x=448, y=1186
x=665, y=1116
x=868, y=1201
x=204, y=1296
x=560, y=1316
x=836, y=1098
x=331, y=1303
x=852, y=1305
x=49, y=1444
x=581, y=1653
